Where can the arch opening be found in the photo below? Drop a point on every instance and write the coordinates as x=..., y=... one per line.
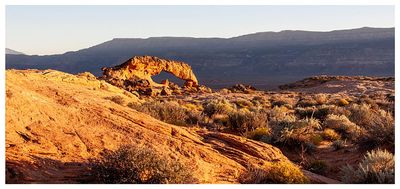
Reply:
x=170, y=77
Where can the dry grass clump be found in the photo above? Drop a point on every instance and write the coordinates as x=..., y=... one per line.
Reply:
x=243, y=121
x=193, y=107
x=274, y=173
x=339, y=144
x=212, y=107
x=260, y=101
x=261, y=134
x=377, y=167
x=378, y=124
x=116, y=99
x=330, y=134
x=280, y=118
x=319, y=112
x=280, y=113
x=282, y=101
x=236, y=116
x=301, y=132
x=343, y=125
x=243, y=103
x=321, y=99
x=318, y=166
x=169, y=112
x=307, y=101
x=343, y=102
x=138, y=165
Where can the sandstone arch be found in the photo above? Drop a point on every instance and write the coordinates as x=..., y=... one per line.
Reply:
x=143, y=67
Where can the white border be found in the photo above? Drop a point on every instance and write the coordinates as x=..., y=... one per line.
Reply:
x=199, y=2
x=186, y=2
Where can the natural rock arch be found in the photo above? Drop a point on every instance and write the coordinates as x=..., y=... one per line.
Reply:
x=144, y=67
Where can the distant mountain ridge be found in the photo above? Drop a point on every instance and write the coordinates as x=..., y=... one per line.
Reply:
x=265, y=58
x=10, y=51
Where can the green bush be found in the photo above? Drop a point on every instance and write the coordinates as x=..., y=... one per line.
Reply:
x=134, y=165
x=377, y=167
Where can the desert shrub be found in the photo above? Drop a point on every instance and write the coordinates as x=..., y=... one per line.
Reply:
x=330, y=134
x=116, y=99
x=316, y=139
x=318, y=166
x=343, y=125
x=224, y=91
x=244, y=121
x=338, y=144
x=193, y=107
x=221, y=119
x=217, y=107
x=306, y=102
x=138, y=165
x=319, y=112
x=377, y=167
x=169, y=112
x=309, y=147
x=321, y=99
x=278, y=114
x=282, y=101
x=361, y=114
x=243, y=103
x=378, y=125
x=279, y=119
x=301, y=132
x=262, y=134
x=279, y=103
x=275, y=173
x=259, y=101
x=311, y=123
x=342, y=102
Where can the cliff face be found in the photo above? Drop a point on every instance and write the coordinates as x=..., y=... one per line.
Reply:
x=56, y=121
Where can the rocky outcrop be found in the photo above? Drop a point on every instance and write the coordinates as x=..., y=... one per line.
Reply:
x=55, y=122
x=354, y=85
x=135, y=75
x=241, y=88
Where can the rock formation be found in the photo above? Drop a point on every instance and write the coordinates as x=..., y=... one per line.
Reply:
x=135, y=75
x=354, y=85
x=56, y=121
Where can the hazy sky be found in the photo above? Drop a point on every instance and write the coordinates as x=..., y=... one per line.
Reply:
x=58, y=29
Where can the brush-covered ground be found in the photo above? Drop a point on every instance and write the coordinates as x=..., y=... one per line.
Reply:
x=63, y=128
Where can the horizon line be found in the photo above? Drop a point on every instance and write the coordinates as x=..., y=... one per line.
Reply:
x=253, y=33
